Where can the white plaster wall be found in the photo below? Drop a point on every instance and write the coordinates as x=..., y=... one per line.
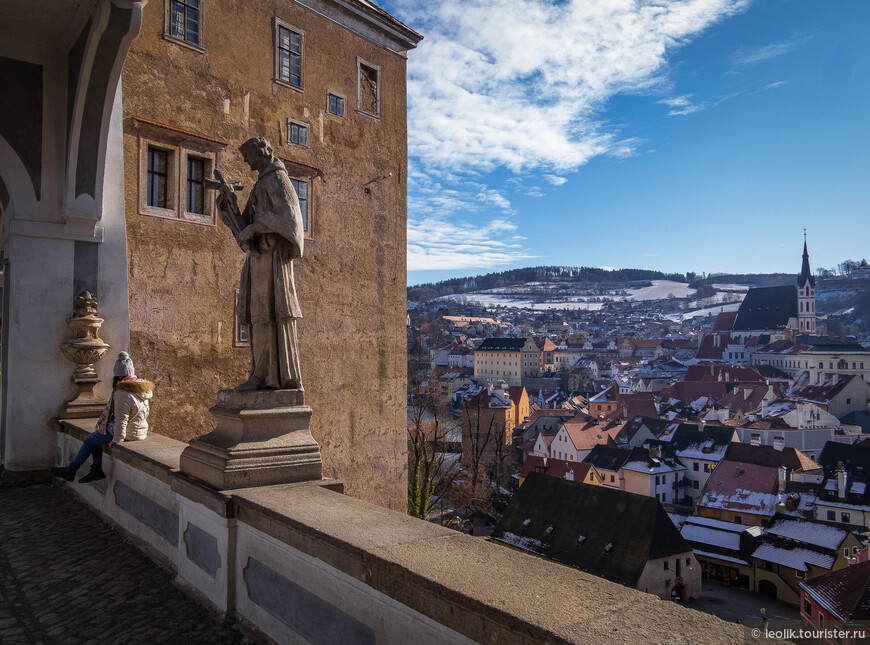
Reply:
x=40, y=283
x=41, y=267
x=114, y=305
x=392, y=622
x=654, y=576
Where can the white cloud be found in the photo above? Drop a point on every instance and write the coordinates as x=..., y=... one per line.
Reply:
x=520, y=84
x=746, y=56
x=555, y=180
x=438, y=244
x=771, y=86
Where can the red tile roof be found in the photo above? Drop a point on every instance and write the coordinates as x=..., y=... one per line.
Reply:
x=725, y=321
x=845, y=593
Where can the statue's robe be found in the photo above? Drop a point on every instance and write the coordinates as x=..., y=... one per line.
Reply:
x=267, y=292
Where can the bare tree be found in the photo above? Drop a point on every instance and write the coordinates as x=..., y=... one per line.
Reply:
x=430, y=471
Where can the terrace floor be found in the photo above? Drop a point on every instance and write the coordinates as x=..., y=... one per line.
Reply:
x=66, y=576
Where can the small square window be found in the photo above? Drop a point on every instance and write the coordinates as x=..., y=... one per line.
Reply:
x=334, y=104
x=185, y=21
x=844, y=517
x=696, y=485
x=832, y=516
x=695, y=466
x=288, y=55
x=297, y=133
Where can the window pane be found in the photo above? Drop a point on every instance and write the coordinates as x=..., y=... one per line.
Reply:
x=192, y=34
x=177, y=19
x=193, y=3
x=295, y=43
x=284, y=65
x=195, y=189
x=303, y=136
x=283, y=38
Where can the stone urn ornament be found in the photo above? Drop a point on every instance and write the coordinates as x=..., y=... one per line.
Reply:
x=84, y=349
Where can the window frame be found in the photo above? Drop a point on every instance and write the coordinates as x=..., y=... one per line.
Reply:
x=276, y=71
x=167, y=26
x=171, y=209
x=360, y=63
x=178, y=152
x=329, y=95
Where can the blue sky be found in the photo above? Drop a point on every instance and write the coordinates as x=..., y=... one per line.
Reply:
x=679, y=135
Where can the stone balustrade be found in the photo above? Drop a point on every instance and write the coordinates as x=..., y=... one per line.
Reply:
x=304, y=563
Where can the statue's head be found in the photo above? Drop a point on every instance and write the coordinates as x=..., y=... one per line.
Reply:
x=257, y=152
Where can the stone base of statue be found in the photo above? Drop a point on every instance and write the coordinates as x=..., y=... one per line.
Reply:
x=262, y=438
x=85, y=406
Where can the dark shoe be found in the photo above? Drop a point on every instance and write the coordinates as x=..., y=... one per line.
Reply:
x=64, y=472
x=95, y=474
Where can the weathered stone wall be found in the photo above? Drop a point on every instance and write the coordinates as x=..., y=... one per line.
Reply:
x=351, y=282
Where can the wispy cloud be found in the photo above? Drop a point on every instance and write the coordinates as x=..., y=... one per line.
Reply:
x=771, y=86
x=681, y=105
x=746, y=56
x=437, y=244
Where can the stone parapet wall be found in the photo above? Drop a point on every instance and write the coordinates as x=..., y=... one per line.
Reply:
x=302, y=561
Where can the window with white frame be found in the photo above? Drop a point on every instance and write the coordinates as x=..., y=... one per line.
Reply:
x=172, y=176
x=368, y=97
x=288, y=54
x=184, y=21
x=335, y=104
x=297, y=133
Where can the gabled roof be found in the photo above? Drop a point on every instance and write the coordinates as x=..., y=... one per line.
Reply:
x=825, y=391
x=723, y=373
x=770, y=457
x=607, y=458
x=710, y=442
x=845, y=592
x=808, y=533
x=725, y=321
x=741, y=487
x=605, y=532
x=689, y=391
x=544, y=344
x=767, y=308
x=502, y=345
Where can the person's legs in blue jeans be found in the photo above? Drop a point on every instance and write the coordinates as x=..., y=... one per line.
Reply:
x=92, y=445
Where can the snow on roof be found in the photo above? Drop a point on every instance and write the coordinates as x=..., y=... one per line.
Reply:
x=796, y=558
x=741, y=499
x=697, y=452
x=678, y=519
x=710, y=536
x=821, y=535
x=652, y=468
x=525, y=543
x=858, y=488
x=736, y=527
x=719, y=556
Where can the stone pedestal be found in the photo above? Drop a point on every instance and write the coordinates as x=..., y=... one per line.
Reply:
x=262, y=438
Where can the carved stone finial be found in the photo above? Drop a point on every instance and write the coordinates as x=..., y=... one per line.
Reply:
x=84, y=349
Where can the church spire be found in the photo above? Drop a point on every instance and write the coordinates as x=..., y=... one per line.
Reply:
x=806, y=274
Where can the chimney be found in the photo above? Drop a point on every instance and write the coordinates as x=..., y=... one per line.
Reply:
x=655, y=452
x=841, y=483
x=782, y=474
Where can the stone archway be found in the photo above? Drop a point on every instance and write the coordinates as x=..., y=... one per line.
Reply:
x=767, y=588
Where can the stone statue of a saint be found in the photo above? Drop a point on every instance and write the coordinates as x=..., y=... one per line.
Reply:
x=270, y=232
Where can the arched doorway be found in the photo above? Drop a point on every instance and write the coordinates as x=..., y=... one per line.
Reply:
x=767, y=588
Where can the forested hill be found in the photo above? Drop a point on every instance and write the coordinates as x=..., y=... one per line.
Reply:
x=578, y=275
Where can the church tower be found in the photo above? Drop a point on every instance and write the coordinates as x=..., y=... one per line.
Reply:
x=806, y=296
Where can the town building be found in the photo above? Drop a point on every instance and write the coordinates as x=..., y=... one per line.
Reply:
x=723, y=549
x=844, y=493
x=795, y=550
x=613, y=534
x=839, y=600
x=699, y=448
x=506, y=359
